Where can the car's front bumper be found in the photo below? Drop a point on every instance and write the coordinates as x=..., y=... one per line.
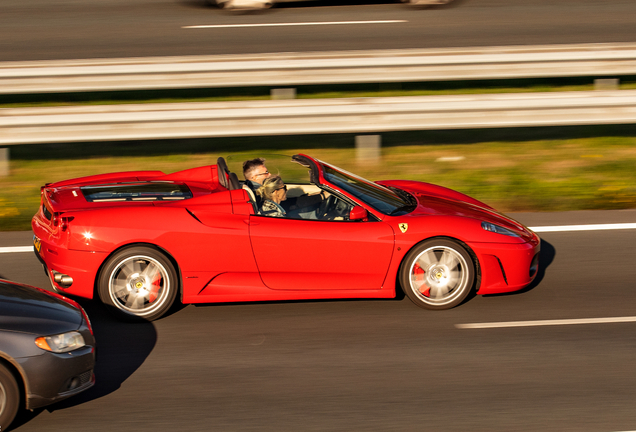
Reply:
x=506, y=267
x=51, y=377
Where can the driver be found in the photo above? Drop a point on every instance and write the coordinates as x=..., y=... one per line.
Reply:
x=255, y=173
x=273, y=191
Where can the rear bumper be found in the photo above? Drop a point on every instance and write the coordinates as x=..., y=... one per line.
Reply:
x=81, y=266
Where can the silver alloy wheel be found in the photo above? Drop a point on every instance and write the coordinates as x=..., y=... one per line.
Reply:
x=439, y=275
x=139, y=285
x=3, y=398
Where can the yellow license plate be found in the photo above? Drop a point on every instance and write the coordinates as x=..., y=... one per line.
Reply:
x=37, y=244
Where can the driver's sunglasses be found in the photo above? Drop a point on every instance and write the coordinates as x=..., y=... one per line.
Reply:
x=263, y=173
x=284, y=187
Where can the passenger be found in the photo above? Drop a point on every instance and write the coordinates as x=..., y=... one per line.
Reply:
x=273, y=192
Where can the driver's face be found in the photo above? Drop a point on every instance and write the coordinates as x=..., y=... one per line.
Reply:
x=261, y=174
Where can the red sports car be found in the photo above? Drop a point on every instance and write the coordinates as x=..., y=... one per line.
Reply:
x=140, y=239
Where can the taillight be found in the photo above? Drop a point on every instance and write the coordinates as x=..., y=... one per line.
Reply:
x=61, y=221
x=65, y=222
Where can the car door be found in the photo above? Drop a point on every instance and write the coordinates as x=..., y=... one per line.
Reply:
x=297, y=254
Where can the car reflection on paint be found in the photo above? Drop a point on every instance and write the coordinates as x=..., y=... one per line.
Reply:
x=47, y=349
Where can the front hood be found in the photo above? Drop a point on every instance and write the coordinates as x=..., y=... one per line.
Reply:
x=429, y=205
x=439, y=201
x=29, y=310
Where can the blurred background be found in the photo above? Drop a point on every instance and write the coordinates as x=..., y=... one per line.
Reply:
x=527, y=105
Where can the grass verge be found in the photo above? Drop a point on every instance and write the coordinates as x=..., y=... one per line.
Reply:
x=523, y=169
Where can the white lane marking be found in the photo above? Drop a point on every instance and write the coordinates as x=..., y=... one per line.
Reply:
x=317, y=23
x=16, y=249
x=559, y=228
x=593, y=227
x=546, y=323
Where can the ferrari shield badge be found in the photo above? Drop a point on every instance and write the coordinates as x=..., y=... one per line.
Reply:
x=403, y=227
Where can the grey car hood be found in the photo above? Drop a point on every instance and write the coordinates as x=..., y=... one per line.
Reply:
x=29, y=310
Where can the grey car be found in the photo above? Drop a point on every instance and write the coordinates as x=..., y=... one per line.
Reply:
x=47, y=349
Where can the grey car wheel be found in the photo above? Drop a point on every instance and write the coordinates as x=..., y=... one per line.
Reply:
x=138, y=282
x=9, y=398
x=437, y=274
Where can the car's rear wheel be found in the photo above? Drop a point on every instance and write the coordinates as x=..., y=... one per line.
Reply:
x=437, y=274
x=9, y=398
x=138, y=282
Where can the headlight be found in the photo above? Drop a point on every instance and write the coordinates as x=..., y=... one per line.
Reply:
x=498, y=229
x=61, y=343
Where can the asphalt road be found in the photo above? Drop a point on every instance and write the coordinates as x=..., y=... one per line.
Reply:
x=69, y=29
x=365, y=365
x=375, y=365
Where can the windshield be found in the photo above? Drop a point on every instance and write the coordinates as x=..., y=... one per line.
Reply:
x=378, y=197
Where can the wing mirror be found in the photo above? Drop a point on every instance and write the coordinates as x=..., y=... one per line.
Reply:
x=358, y=213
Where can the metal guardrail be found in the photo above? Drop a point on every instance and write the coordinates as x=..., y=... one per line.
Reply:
x=289, y=69
x=284, y=117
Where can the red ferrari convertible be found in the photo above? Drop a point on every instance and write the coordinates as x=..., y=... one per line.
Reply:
x=138, y=240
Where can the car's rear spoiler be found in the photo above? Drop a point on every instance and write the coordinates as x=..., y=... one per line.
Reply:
x=108, y=178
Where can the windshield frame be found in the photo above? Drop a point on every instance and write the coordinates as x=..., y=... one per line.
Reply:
x=379, y=198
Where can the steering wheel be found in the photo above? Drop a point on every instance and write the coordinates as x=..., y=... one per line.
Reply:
x=342, y=209
x=326, y=207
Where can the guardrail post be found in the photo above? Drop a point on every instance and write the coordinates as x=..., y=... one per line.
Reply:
x=4, y=162
x=606, y=84
x=368, y=148
x=283, y=93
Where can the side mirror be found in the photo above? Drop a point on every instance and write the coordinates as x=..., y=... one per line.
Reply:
x=358, y=213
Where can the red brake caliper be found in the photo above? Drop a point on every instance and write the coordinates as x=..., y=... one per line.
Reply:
x=419, y=277
x=154, y=289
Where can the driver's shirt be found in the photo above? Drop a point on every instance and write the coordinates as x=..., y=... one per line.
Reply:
x=253, y=185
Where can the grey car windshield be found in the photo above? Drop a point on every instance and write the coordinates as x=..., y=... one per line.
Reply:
x=378, y=197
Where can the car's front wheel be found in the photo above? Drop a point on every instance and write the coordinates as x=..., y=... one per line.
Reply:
x=138, y=282
x=9, y=398
x=437, y=274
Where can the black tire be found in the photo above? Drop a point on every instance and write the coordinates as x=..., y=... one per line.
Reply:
x=437, y=274
x=9, y=398
x=138, y=283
